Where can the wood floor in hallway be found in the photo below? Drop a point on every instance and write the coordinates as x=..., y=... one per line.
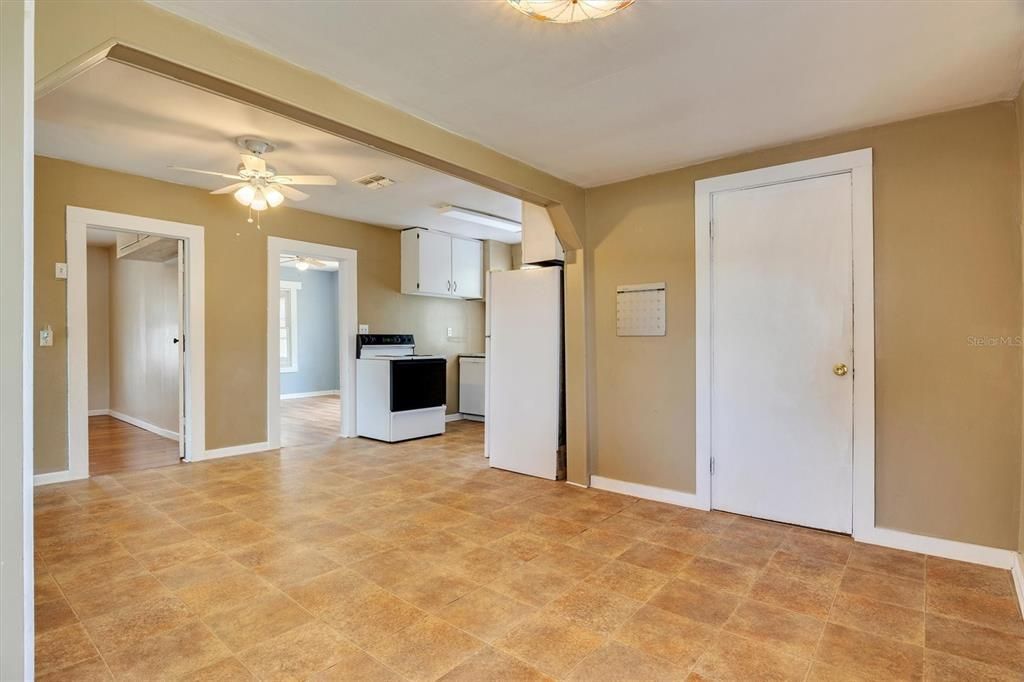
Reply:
x=116, y=446
x=305, y=421
x=360, y=560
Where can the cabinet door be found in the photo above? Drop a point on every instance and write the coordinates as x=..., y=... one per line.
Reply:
x=435, y=261
x=467, y=268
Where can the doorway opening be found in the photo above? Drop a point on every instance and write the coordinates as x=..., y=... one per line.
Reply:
x=311, y=331
x=308, y=348
x=135, y=309
x=136, y=384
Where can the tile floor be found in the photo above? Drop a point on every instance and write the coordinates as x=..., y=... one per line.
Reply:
x=363, y=561
x=305, y=421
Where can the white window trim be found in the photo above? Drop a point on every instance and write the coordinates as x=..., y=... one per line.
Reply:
x=293, y=331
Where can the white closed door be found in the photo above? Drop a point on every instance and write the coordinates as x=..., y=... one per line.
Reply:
x=782, y=352
x=467, y=268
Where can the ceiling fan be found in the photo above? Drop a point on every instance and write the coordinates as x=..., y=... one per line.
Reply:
x=259, y=186
x=303, y=262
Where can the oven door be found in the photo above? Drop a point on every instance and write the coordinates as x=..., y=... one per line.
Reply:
x=418, y=384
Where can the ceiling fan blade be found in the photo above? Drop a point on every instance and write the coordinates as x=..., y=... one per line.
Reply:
x=254, y=163
x=316, y=262
x=230, y=188
x=290, y=192
x=304, y=180
x=229, y=176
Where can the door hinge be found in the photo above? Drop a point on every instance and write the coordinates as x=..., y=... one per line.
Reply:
x=417, y=283
x=712, y=466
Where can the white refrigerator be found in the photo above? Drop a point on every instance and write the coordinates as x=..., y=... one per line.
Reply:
x=524, y=404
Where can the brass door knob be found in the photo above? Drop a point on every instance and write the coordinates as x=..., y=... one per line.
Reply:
x=840, y=370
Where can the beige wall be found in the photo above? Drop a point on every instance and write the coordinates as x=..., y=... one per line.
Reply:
x=98, y=288
x=1019, y=105
x=236, y=255
x=143, y=321
x=947, y=266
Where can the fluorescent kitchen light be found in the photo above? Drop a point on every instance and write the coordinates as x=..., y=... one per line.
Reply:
x=481, y=218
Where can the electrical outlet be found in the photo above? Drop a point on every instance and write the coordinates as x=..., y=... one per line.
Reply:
x=61, y=271
x=364, y=329
x=46, y=336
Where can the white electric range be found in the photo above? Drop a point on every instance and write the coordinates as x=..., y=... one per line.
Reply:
x=399, y=395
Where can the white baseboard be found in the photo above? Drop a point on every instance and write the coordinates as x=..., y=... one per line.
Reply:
x=1017, y=571
x=311, y=394
x=105, y=412
x=235, y=450
x=51, y=477
x=646, y=492
x=152, y=428
x=573, y=483
x=453, y=417
x=947, y=549
x=473, y=417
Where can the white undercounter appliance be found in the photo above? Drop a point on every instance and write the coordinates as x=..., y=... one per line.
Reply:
x=525, y=403
x=472, y=376
x=399, y=395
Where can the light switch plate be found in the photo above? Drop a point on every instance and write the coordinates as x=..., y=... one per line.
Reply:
x=61, y=271
x=450, y=332
x=46, y=336
x=364, y=329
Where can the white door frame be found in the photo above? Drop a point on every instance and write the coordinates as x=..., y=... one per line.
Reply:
x=78, y=220
x=858, y=164
x=347, y=326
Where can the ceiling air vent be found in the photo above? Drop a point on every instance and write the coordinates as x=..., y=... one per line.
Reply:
x=374, y=181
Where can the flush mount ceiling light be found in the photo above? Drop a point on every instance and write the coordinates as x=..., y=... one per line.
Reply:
x=261, y=187
x=481, y=218
x=569, y=11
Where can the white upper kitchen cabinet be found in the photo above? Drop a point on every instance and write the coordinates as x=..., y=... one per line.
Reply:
x=467, y=268
x=438, y=264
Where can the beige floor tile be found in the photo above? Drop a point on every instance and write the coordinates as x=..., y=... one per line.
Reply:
x=298, y=653
x=553, y=528
x=265, y=551
x=656, y=512
x=791, y=633
x=426, y=649
x=818, y=545
x=627, y=579
x=870, y=655
x=169, y=655
x=491, y=664
x=372, y=617
x=353, y=548
x=522, y=546
x=879, y=618
x=53, y=614
x=46, y=588
x=681, y=538
x=551, y=644
x=481, y=564
x=696, y=602
x=255, y=621
x=780, y=589
x=734, y=552
x=433, y=589
x=601, y=542
x=131, y=624
x=992, y=581
x=719, y=574
x=732, y=658
x=594, y=607
x=330, y=591
x=170, y=555
x=887, y=561
x=389, y=568
x=301, y=566
x=655, y=558
x=533, y=585
x=943, y=667
x=75, y=579
x=574, y=563
x=628, y=526
x=482, y=531
x=485, y=614
x=118, y=594
x=974, y=641
x=980, y=607
x=154, y=539
x=225, y=670
x=615, y=662
x=884, y=588
x=823, y=574
x=196, y=571
x=224, y=592
x=63, y=647
x=666, y=635
x=89, y=670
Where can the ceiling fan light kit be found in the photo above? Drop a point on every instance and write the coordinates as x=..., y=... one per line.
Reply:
x=260, y=186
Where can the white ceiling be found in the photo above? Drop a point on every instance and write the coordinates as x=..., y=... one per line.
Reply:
x=95, y=236
x=118, y=117
x=664, y=84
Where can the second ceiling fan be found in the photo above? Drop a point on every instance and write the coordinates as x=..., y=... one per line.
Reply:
x=259, y=186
